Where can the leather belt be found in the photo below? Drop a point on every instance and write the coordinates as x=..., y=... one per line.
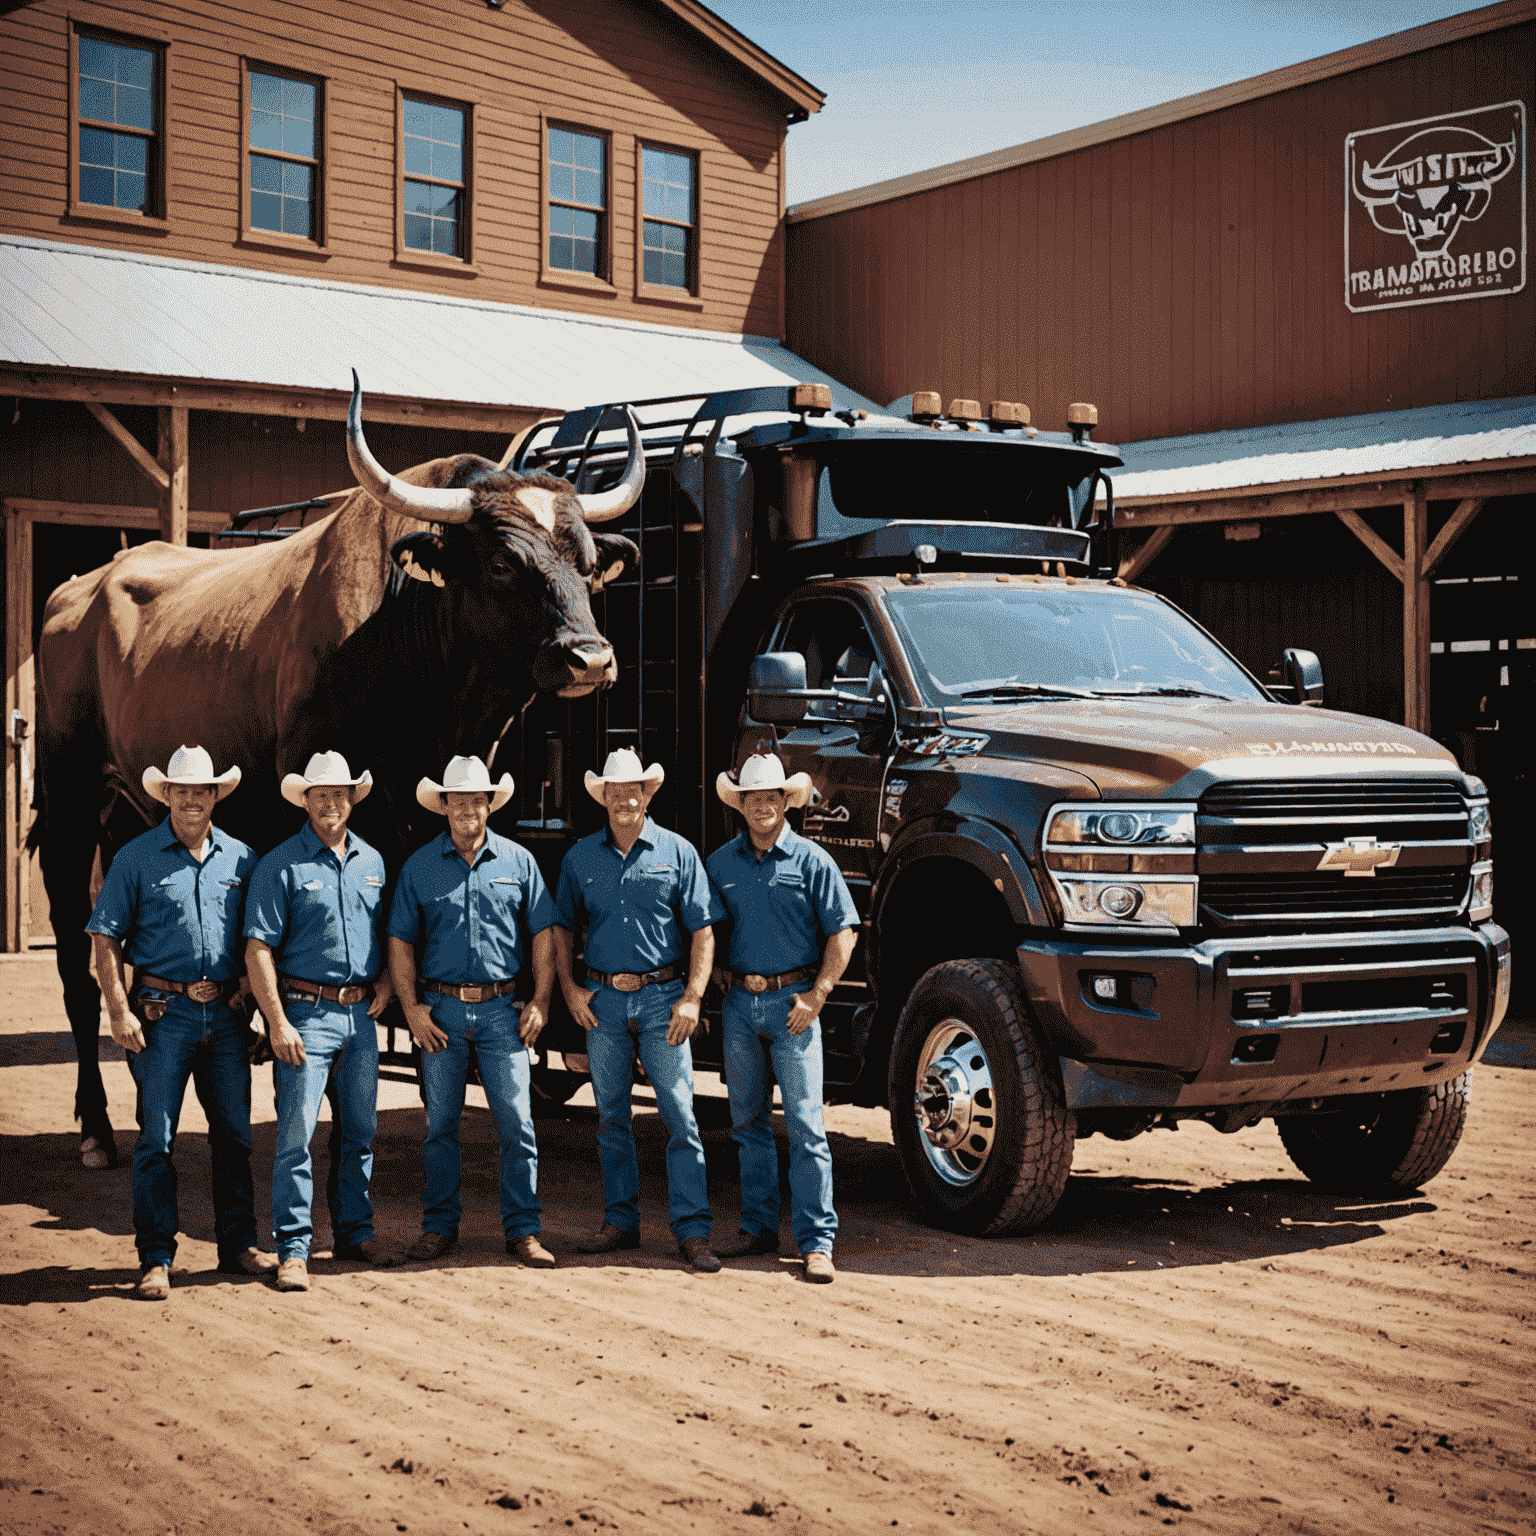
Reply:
x=632, y=981
x=198, y=991
x=470, y=992
x=755, y=983
x=297, y=990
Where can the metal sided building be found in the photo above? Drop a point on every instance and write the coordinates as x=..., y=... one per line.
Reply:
x=1303, y=304
x=210, y=212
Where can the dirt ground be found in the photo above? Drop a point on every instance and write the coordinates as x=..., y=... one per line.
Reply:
x=1197, y=1339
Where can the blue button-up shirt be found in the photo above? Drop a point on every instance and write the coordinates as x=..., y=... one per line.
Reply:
x=467, y=923
x=320, y=913
x=175, y=917
x=785, y=905
x=639, y=905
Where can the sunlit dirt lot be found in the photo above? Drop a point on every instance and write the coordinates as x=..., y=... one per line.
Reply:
x=1197, y=1339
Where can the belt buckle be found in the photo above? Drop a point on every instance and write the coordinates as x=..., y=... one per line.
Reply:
x=203, y=991
x=627, y=981
x=476, y=993
x=347, y=996
x=755, y=983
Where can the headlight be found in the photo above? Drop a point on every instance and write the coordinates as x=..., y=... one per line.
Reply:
x=1482, y=892
x=1479, y=822
x=1123, y=866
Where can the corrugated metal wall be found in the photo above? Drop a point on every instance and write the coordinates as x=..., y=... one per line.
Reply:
x=1185, y=279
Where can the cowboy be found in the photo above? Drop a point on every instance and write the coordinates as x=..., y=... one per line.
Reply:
x=314, y=955
x=645, y=898
x=794, y=922
x=171, y=903
x=458, y=920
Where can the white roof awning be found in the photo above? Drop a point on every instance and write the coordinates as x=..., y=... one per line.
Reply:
x=84, y=310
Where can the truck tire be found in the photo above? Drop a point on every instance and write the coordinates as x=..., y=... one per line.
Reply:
x=977, y=1110
x=1382, y=1143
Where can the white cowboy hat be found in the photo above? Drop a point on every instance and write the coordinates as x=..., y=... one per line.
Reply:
x=623, y=767
x=188, y=765
x=329, y=769
x=764, y=772
x=464, y=775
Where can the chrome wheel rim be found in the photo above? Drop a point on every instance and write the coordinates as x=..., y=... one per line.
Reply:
x=955, y=1104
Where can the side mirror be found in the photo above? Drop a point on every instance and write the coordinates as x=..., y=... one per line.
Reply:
x=1304, y=676
x=776, y=691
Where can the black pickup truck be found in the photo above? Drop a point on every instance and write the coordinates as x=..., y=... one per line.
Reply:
x=1109, y=880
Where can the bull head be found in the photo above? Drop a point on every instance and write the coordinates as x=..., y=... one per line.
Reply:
x=1431, y=183
x=518, y=555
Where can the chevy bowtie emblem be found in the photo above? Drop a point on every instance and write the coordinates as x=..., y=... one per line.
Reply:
x=1360, y=856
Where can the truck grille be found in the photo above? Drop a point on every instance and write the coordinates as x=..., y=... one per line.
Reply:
x=1257, y=840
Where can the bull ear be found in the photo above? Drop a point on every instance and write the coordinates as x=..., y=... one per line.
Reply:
x=420, y=556
x=616, y=556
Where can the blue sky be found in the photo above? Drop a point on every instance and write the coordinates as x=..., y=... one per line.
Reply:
x=917, y=83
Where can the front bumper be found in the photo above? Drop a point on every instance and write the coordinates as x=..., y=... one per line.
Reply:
x=1350, y=1013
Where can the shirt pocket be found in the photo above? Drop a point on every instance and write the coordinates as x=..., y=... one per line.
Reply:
x=789, y=889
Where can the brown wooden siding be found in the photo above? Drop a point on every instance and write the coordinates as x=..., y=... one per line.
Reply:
x=1185, y=279
x=623, y=63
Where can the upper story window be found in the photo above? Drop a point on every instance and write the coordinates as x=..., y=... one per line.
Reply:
x=434, y=164
x=669, y=244
x=283, y=126
x=120, y=160
x=578, y=201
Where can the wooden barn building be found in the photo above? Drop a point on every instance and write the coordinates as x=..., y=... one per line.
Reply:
x=1303, y=303
x=210, y=211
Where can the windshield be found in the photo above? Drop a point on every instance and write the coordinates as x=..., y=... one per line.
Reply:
x=968, y=642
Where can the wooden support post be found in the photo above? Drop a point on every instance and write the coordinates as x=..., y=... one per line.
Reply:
x=173, y=460
x=1149, y=549
x=148, y=467
x=18, y=731
x=1415, y=613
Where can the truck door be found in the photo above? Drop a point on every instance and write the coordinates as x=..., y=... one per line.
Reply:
x=845, y=756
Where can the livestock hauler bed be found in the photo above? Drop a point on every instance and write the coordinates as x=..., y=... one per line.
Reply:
x=1109, y=881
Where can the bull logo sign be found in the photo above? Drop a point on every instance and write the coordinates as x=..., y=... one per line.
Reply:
x=1436, y=209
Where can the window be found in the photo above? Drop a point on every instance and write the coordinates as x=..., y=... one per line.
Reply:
x=117, y=133
x=578, y=201
x=668, y=245
x=435, y=181
x=284, y=155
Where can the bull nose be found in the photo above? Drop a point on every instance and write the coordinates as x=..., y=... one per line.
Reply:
x=589, y=663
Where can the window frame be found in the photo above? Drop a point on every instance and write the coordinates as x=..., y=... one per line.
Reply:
x=691, y=297
x=560, y=277
x=104, y=25
x=408, y=256
x=288, y=67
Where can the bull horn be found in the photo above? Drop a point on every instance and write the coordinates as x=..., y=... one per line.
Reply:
x=1374, y=185
x=430, y=503
x=604, y=506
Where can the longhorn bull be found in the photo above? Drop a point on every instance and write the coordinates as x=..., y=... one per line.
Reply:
x=405, y=627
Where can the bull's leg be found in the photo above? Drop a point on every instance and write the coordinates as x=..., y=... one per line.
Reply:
x=67, y=853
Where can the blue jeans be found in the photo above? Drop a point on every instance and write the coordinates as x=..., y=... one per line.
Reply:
x=504, y=1074
x=758, y=1049
x=343, y=1042
x=625, y=1019
x=207, y=1043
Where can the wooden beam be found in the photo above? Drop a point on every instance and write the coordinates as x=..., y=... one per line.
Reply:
x=1372, y=540
x=173, y=459
x=1448, y=535
x=1415, y=615
x=1145, y=553
x=267, y=400
x=149, y=467
x=104, y=515
x=19, y=758
x=1450, y=482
